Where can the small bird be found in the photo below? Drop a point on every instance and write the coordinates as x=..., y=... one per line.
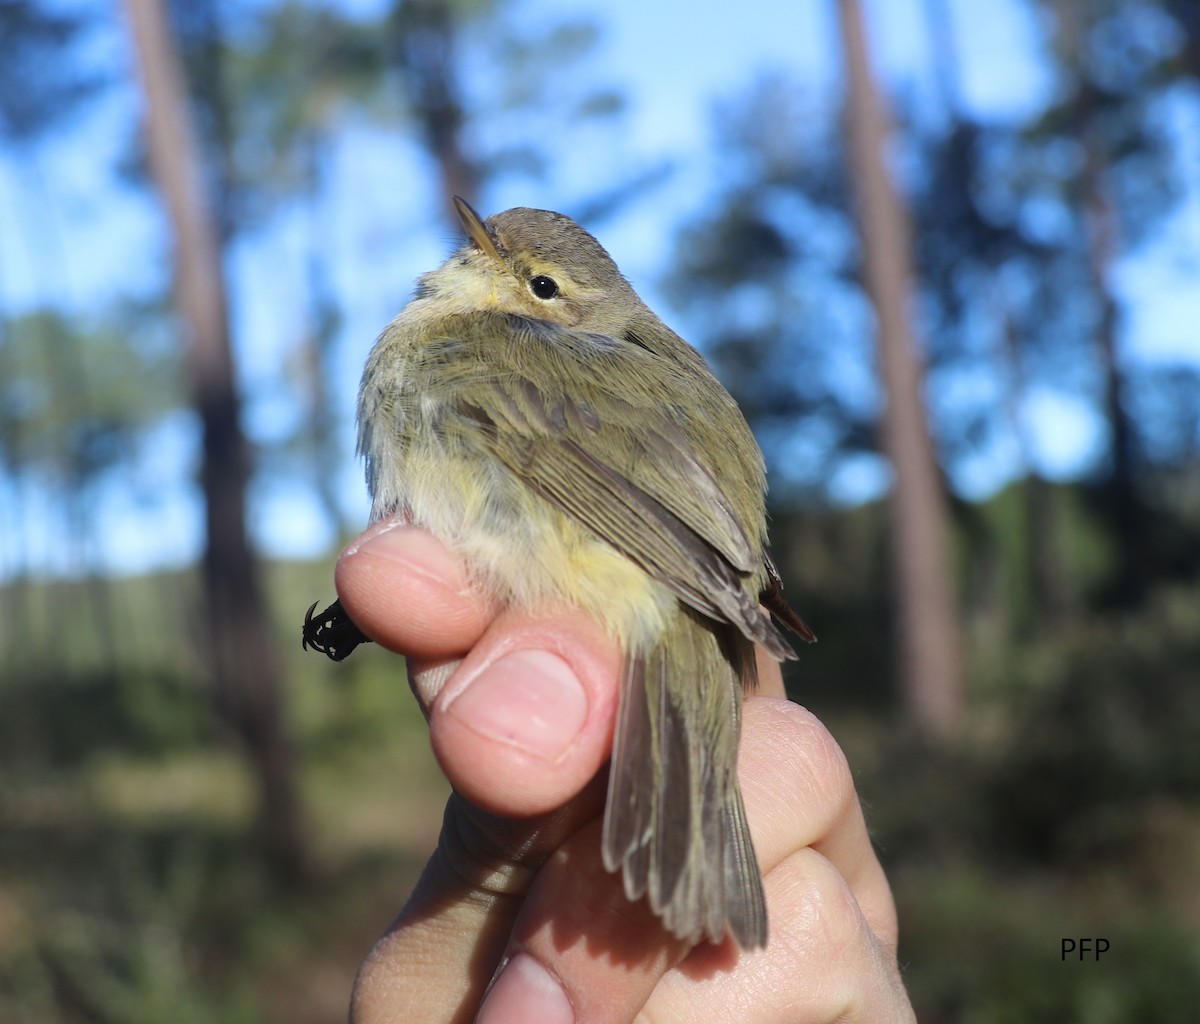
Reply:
x=533, y=413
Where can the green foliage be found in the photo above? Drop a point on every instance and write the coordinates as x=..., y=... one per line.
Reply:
x=38, y=88
x=985, y=948
x=766, y=275
x=127, y=953
x=1072, y=806
x=73, y=400
x=297, y=71
x=1071, y=809
x=133, y=886
x=63, y=722
x=1103, y=728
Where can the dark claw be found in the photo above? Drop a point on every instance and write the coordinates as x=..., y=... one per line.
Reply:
x=332, y=633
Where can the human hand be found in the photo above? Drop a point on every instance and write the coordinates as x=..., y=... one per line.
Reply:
x=515, y=918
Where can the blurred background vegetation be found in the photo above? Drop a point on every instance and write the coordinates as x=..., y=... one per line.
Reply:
x=946, y=255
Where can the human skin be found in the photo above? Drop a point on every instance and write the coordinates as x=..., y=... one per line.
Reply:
x=515, y=918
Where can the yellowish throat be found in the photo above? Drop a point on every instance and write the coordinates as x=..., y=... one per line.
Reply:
x=536, y=416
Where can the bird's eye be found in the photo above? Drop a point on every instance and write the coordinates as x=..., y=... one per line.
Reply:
x=543, y=287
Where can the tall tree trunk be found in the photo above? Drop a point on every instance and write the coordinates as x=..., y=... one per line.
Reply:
x=930, y=662
x=246, y=675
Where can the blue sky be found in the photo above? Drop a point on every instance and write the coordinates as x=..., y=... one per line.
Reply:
x=76, y=237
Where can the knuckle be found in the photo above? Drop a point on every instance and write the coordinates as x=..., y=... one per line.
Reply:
x=474, y=846
x=825, y=915
x=822, y=931
x=801, y=758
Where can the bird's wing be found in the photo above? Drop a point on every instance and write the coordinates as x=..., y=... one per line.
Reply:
x=649, y=493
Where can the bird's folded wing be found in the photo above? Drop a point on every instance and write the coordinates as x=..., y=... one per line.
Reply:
x=648, y=494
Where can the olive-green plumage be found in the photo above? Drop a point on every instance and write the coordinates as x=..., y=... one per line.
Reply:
x=533, y=413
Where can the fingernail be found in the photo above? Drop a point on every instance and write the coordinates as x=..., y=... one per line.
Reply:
x=531, y=699
x=410, y=547
x=525, y=991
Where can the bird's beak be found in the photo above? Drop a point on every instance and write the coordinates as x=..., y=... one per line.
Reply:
x=476, y=230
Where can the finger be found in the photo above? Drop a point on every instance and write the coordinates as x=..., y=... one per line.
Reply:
x=526, y=720
x=770, y=674
x=799, y=793
x=823, y=962
x=522, y=724
x=408, y=592
x=580, y=940
x=605, y=954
